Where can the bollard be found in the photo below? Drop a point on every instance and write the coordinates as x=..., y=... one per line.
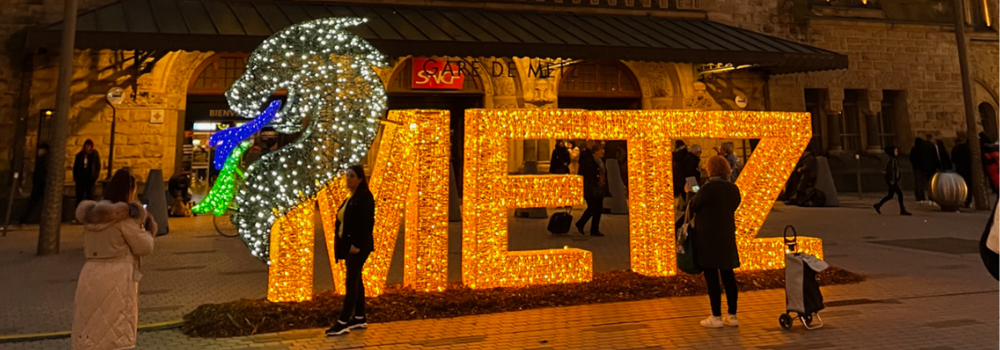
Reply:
x=858, y=158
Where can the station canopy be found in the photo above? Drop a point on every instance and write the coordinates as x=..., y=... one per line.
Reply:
x=240, y=26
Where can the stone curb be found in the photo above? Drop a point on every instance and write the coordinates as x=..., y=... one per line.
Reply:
x=20, y=338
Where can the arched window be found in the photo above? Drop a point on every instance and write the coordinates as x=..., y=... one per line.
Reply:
x=599, y=79
x=217, y=73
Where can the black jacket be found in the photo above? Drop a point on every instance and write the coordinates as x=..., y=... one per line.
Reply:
x=591, y=172
x=924, y=157
x=892, y=171
x=714, y=210
x=41, y=172
x=87, y=174
x=559, y=164
x=685, y=165
x=944, y=160
x=359, y=224
x=677, y=166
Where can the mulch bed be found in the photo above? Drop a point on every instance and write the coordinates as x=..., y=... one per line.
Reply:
x=254, y=316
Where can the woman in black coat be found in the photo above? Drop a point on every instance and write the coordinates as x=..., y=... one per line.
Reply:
x=714, y=211
x=353, y=243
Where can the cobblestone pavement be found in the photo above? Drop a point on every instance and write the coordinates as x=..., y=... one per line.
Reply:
x=927, y=289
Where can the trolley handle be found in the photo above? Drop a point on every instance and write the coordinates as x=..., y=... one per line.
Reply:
x=793, y=242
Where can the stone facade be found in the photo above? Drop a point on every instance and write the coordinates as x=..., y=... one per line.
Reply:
x=146, y=127
x=915, y=55
x=885, y=54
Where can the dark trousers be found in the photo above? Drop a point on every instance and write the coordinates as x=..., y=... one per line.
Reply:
x=893, y=189
x=84, y=192
x=920, y=180
x=595, y=207
x=354, y=297
x=715, y=293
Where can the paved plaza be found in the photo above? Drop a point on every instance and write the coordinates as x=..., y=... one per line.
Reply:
x=926, y=289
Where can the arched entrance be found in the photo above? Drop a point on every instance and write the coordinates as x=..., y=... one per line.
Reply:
x=207, y=111
x=988, y=116
x=599, y=85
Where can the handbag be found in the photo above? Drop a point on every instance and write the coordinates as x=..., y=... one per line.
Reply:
x=685, y=250
x=560, y=222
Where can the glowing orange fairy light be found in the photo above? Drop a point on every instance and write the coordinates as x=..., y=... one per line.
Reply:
x=490, y=192
x=411, y=173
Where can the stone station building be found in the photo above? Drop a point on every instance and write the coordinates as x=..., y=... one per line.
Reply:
x=873, y=73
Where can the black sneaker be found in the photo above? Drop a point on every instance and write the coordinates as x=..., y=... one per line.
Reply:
x=338, y=328
x=579, y=228
x=878, y=209
x=356, y=323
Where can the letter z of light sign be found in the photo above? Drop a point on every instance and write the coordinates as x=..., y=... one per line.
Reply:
x=490, y=192
x=411, y=173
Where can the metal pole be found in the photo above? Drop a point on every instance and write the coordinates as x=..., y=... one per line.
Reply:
x=858, y=158
x=111, y=150
x=48, y=235
x=978, y=178
x=10, y=202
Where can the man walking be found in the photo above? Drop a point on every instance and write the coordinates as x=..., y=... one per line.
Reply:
x=892, y=175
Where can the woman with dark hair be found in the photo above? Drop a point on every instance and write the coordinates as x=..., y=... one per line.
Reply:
x=353, y=242
x=86, y=171
x=116, y=233
x=713, y=210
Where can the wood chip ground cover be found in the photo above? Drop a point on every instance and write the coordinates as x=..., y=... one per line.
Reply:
x=255, y=316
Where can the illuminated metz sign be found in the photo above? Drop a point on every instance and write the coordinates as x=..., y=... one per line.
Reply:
x=410, y=178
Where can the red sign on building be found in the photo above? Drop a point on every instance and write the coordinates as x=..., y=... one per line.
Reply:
x=434, y=74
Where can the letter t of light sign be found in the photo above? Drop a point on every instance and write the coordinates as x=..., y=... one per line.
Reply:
x=490, y=192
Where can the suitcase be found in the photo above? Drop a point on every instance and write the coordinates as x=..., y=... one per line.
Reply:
x=561, y=222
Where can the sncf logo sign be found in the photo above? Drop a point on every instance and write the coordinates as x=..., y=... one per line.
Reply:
x=429, y=73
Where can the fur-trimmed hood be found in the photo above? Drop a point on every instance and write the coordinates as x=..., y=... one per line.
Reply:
x=100, y=215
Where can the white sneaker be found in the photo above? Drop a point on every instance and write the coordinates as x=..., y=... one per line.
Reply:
x=730, y=320
x=712, y=322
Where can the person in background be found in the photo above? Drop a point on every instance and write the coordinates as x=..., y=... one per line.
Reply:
x=991, y=163
x=353, y=242
x=892, y=176
x=559, y=163
x=574, y=157
x=944, y=159
x=594, y=178
x=677, y=166
x=961, y=155
x=713, y=210
x=923, y=157
x=116, y=233
x=37, y=183
x=691, y=167
x=86, y=171
x=729, y=152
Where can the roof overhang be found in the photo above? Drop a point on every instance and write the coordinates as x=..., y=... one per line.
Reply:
x=229, y=26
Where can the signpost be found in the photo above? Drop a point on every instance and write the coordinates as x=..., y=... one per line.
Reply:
x=115, y=96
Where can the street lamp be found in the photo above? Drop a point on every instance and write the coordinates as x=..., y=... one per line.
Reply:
x=114, y=99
